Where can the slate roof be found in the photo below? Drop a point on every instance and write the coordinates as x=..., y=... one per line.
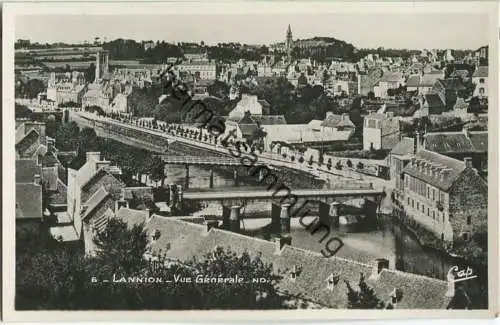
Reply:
x=334, y=120
x=181, y=240
x=454, y=167
x=413, y=81
x=104, y=178
x=269, y=119
x=28, y=201
x=28, y=144
x=130, y=192
x=60, y=196
x=132, y=217
x=457, y=142
x=434, y=102
x=94, y=201
x=479, y=140
x=176, y=238
x=421, y=291
x=481, y=72
x=429, y=80
x=403, y=147
x=25, y=170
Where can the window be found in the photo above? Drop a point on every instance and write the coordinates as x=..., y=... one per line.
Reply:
x=408, y=201
x=468, y=220
x=423, y=208
x=428, y=212
x=465, y=236
x=433, y=215
x=481, y=81
x=481, y=90
x=418, y=205
x=443, y=217
x=428, y=193
x=433, y=194
x=412, y=204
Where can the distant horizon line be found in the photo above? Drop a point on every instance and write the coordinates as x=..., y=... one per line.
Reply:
x=90, y=43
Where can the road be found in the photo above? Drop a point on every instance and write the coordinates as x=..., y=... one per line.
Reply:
x=270, y=159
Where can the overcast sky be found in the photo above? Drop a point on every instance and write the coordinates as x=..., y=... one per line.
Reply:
x=416, y=31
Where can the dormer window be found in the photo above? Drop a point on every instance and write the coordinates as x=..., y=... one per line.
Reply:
x=295, y=272
x=156, y=234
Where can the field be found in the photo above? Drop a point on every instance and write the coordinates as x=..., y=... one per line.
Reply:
x=72, y=64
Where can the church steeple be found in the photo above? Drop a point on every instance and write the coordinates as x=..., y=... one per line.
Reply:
x=289, y=41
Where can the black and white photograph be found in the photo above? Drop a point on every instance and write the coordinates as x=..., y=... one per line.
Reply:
x=280, y=159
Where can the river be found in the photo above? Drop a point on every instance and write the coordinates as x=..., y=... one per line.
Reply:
x=388, y=241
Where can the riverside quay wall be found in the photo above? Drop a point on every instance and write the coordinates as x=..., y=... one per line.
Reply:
x=157, y=141
x=132, y=136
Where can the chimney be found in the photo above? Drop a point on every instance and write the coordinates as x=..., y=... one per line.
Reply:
x=212, y=224
x=50, y=144
x=444, y=173
x=36, y=179
x=424, y=167
x=468, y=162
x=415, y=144
x=465, y=131
x=282, y=241
x=379, y=265
x=93, y=156
x=101, y=164
x=451, y=284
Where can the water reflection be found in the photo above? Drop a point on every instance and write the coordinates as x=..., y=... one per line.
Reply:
x=387, y=240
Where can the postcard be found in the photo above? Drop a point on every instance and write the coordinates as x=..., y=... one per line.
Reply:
x=249, y=160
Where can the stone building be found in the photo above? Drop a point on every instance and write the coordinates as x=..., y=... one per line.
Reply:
x=380, y=131
x=444, y=195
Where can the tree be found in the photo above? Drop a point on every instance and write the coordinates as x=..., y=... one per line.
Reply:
x=338, y=165
x=320, y=159
x=329, y=164
x=66, y=116
x=33, y=87
x=51, y=276
x=120, y=249
x=311, y=160
x=66, y=136
x=90, y=73
x=474, y=105
x=371, y=95
x=360, y=165
x=349, y=163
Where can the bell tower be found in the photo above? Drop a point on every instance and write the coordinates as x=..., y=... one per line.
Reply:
x=289, y=41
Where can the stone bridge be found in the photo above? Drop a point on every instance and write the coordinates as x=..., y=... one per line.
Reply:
x=288, y=203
